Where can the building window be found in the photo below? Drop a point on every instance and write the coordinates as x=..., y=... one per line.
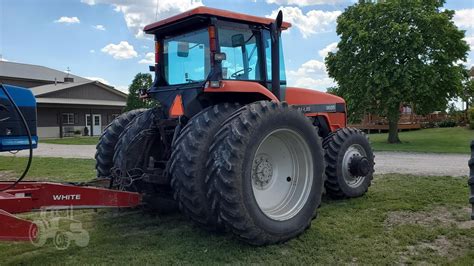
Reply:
x=68, y=119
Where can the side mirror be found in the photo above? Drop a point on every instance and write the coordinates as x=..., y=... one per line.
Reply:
x=183, y=49
x=238, y=40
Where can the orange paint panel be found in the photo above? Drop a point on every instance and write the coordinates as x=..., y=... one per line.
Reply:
x=213, y=12
x=307, y=96
x=243, y=86
x=335, y=120
x=299, y=96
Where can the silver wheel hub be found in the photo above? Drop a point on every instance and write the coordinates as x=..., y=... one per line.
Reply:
x=282, y=174
x=262, y=171
x=352, y=152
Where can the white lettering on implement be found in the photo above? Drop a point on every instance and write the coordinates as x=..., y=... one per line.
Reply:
x=67, y=197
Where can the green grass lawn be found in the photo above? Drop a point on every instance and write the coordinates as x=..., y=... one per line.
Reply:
x=52, y=169
x=438, y=140
x=72, y=141
x=402, y=219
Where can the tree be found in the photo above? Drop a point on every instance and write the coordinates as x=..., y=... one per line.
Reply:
x=141, y=81
x=467, y=94
x=395, y=52
x=353, y=117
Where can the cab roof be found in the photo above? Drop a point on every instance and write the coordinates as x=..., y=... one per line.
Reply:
x=212, y=12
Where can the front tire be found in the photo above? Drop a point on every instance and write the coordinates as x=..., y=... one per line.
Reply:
x=267, y=168
x=350, y=163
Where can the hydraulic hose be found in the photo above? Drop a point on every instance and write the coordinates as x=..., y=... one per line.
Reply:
x=30, y=139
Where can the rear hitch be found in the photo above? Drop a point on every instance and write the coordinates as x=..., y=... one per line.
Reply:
x=471, y=179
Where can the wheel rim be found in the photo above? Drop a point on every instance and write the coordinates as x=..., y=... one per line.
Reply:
x=282, y=174
x=350, y=179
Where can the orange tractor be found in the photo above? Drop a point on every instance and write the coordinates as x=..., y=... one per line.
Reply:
x=228, y=141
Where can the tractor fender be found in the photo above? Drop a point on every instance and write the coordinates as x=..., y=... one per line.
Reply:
x=238, y=86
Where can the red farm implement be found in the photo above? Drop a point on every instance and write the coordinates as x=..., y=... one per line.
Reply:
x=36, y=196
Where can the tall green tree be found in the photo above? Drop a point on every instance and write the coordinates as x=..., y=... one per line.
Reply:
x=141, y=81
x=398, y=51
x=467, y=95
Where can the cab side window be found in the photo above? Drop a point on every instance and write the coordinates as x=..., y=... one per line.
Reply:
x=242, y=54
x=268, y=55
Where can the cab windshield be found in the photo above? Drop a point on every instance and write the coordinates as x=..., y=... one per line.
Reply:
x=186, y=57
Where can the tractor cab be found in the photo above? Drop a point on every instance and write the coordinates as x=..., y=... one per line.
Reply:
x=207, y=48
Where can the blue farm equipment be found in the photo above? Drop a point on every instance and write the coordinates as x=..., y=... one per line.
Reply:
x=13, y=133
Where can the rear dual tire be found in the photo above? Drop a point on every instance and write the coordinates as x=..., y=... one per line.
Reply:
x=106, y=147
x=188, y=164
x=266, y=173
x=136, y=144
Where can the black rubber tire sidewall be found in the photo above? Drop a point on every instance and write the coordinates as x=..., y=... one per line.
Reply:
x=294, y=224
x=105, y=148
x=363, y=187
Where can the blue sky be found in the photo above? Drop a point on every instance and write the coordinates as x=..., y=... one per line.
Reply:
x=102, y=39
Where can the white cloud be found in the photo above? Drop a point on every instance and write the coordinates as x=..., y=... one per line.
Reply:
x=99, y=27
x=92, y=51
x=149, y=59
x=99, y=79
x=312, y=75
x=306, y=2
x=122, y=88
x=464, y=18
x=3, y=59
x=311, y=67
x=330, y=48
x=68, y=20
x=470, y=42
x=123, y=50
x=315, y=84
x=314, y=21
x=139, y=13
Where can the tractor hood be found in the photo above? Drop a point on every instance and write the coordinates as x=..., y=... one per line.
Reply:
x=307, y=96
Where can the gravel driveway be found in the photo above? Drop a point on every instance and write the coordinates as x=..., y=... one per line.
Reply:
x=422, y=163
x=56, y=150
x=385, y=162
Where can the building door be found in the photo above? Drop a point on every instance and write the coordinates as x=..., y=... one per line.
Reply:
x=97, y=124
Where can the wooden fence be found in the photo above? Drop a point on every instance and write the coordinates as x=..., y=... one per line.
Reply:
x=406, y=122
